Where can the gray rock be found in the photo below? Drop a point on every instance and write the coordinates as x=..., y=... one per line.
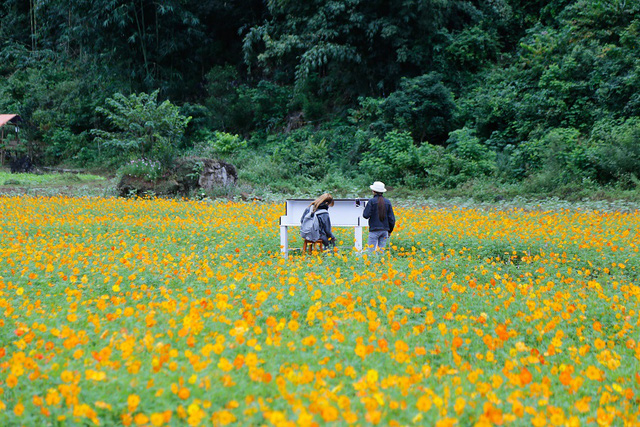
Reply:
x=187, y=175
x=215, y=173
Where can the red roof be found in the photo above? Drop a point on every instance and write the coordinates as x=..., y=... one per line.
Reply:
x=8, y=118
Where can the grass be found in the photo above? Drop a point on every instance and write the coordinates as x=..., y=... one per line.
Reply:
x=47, y=179
x=51, y=184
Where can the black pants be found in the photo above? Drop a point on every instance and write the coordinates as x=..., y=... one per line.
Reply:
x=328, y=241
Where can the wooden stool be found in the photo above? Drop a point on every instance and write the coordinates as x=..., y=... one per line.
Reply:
x=309, y=246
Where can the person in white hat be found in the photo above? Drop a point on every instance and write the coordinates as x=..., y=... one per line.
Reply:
x=379, y=212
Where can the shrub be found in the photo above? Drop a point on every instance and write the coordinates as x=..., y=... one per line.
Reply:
x=392, y=158
x=219, y=143
x=614, y=150
x=434, y=162
x=148, y=170
x=424, y=105
x=558, y=157
x=477, y=159
x=61, y=144
x=301, y=154
x=142, y=127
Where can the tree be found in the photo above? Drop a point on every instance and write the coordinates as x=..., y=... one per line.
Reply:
x=142, y=127
x=355, y=46
x=579, y=69
x=424, y=106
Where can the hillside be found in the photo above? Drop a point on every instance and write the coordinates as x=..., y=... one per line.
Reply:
x=540, y=97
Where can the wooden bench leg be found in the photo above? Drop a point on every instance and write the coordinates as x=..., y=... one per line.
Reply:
x=308, y=246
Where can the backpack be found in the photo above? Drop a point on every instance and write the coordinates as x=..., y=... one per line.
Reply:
x=309, y=227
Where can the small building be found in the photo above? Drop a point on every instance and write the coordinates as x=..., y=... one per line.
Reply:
x=9, y=129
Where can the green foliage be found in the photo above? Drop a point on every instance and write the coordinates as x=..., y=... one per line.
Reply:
x=142, y=168
x=559, y=155
x=533, y=92
x=390, y=159
x=267, y=103
x=57, y=104
x=61, y=143
x=357, y=47
x=436, y=165
x=397, y=160
x=472, y=48
x=615, y=152
x=238, y=106
x=369, y=116
x=227, y=109
x=302, y=154
x=478, y=159
x=568, y=74
x=220, y=143
x=424, y=105
x=142, y=127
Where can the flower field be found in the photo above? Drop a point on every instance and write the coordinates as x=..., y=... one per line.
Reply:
x=165, y=312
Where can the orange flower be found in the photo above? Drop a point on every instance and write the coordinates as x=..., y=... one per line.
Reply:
x=18, y=409
x=457, y=342
x=594, y=373
x=184, y=393
x=424, y=403
x=11, y=381
x=525, y=376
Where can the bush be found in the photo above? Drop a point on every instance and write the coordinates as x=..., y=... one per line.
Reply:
x=142, y=127
x=61, y=144
x=390, y=159
x=424, y=105
x=148, y=170
x=218, y=143
x=614, y=150
x=301, y=154
x=558, y=157
x=477, y=159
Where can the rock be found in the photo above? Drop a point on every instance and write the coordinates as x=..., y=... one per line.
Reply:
x=216, y=173
x=167, y=186
x=187, y=175
x=21, y=164
x=247, y=197
x=135, y=186
x=294, y=121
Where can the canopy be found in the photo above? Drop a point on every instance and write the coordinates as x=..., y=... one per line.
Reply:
x=9, y=118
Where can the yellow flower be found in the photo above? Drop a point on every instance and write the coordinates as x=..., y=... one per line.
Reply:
x=225, y=365
x=132, y=402
x=18, y=409
x=424, y=403
x=594, y=373
x=141, y=419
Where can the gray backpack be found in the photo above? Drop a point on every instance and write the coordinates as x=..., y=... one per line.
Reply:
x=309, y=226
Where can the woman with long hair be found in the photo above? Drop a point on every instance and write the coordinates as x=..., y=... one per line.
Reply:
x=379, y=212
x=319, y=207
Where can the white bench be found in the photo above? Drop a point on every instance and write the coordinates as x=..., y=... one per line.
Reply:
x=343, y=213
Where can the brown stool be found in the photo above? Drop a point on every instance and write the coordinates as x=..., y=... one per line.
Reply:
x=309, y=246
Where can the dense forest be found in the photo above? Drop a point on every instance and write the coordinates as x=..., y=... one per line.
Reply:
x=324, y=94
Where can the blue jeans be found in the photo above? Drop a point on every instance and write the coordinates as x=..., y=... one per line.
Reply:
x=377, y=239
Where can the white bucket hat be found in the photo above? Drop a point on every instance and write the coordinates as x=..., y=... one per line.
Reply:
x=378, y=187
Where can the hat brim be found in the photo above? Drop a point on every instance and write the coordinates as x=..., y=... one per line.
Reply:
x=377, y=190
